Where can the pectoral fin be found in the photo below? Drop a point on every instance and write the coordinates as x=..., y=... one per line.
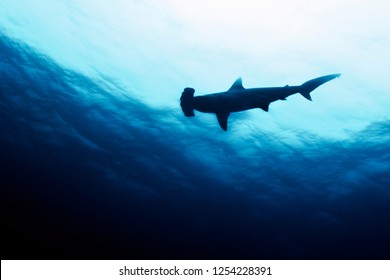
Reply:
x=223, y=119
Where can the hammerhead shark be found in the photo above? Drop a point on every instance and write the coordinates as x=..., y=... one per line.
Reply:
x=237, y=98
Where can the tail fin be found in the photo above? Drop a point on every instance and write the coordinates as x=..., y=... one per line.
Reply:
x=186, y=102
x=311, y=85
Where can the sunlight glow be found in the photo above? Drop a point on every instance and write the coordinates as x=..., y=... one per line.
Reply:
x=154, y=49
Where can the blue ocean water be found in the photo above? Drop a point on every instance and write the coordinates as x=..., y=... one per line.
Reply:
x=98, y=161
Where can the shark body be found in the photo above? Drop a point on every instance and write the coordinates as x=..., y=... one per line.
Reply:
x=238, y=98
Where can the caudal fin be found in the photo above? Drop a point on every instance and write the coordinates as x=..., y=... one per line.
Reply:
x=311, y=85
x=186, y=102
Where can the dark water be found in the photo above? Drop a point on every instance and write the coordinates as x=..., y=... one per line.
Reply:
x=87, y=174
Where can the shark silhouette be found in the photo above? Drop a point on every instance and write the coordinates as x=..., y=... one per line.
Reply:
x=238, y=98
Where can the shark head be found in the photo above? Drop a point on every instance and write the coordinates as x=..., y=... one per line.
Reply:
x=186, y=102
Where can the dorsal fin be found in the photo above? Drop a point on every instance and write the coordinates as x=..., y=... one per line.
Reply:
x=237, y=85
